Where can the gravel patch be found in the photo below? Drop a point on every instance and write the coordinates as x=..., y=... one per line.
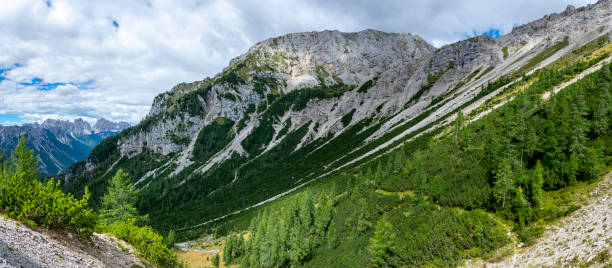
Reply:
x=22, y=246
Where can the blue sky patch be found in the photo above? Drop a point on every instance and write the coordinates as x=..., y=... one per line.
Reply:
x=491, y=32
x=10, y=119
x=89, y=84
x=4, y=69
x=49, y=86
x=40, y=83
x=42, y=86
x=49, y=4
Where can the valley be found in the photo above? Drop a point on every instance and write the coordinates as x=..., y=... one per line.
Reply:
x=58, y=143
x=343, y=149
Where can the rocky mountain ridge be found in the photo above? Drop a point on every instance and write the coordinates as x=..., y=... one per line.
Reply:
x=59, y=143
x=296, y=107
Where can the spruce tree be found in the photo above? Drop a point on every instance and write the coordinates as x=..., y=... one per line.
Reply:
x=170, y=238
x=503, y=183
x=284, y=236
x=23, y=160
x=228, y=249
x=537, y=182
x=458, y=126
x=323, y=213
x=378, y=175
x=119, y=202
x=381, y=245
x=271, y=243
x=306, y=210
x=579, y=126
x=362, y=222
x=601, y=124
x=332, y=236
x=215, y=261
x=4, y=164
x=399, y=162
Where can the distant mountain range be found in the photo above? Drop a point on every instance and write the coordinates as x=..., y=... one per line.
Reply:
x=59, y=143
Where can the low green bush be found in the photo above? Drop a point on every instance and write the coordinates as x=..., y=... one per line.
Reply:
x=35, y=203
x=147, y=242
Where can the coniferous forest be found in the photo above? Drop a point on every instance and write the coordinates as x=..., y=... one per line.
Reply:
x=437, y=201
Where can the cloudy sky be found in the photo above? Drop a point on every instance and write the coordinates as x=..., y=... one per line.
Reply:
x=92, y=59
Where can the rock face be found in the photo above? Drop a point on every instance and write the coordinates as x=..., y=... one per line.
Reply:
x=298, y=106
x=59, y=143
x=103, y=125
x=300, y=60
x=21, y=246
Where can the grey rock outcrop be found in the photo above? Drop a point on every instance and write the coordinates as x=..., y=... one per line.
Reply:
x=21, y=246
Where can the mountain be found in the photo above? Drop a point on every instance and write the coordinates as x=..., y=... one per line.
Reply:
x=333, y=112
x=59, y=143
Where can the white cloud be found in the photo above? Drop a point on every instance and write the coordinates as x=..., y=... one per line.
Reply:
x=163, y=42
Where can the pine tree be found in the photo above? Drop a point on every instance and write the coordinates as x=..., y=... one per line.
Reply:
x=240, y=246
x=381, y=245
x=537, y=182
x=4, y=164
x=228, y=248
x=571, y=168
x=23, y=160
x=259, y=240
x=170, y=238
x=458, y=127
x=299, y=245
x=323, y=213
x=378, y=177
x=215, y=261
x=272, y=256
x=284, y=236
x=306, y=210
x=503, y=183
x=592, y=163
x=520, y=200
x=579, y=125
x=362, y=222
x=601, y=124
x=332, y=237
x=269, y=249
x=349, y=186
x=519, y=130
x=399, y=162
x=119, y=202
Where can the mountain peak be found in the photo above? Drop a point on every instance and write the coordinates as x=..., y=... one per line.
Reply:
x=104, y=125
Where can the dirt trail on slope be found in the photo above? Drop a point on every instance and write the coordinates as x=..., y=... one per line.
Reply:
x=574, y=240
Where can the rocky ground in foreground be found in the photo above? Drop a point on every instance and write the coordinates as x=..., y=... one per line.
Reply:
x=582, y=239
x=21, y=246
